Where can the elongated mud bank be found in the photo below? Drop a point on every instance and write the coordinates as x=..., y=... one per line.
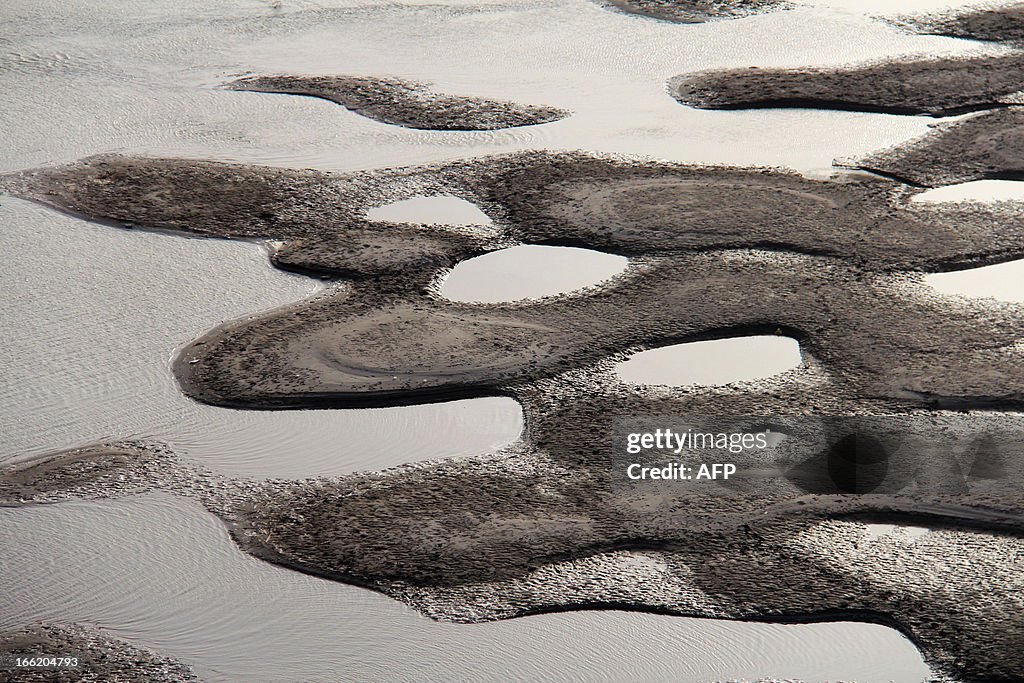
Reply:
x=994, y=24
x=98, y=657
x=405, y=103
x=698, y=11
x=989, y=145
x=933, y=86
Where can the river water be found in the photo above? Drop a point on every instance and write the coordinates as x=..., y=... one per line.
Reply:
x=93, y=314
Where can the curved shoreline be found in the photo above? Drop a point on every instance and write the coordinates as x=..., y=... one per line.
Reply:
x=97, y=656
x=405, y=103
x=937, y=87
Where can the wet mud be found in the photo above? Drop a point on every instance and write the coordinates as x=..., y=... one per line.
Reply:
x=98, y=656
x=405, y=103
x=828, y=269
x=933, y=86
x=993, y=24
x=697, y=11
x=985, y=146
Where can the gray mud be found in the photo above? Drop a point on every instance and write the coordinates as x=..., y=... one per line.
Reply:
x=388, y=340
x=405, y=103
x=989, y=145
x=993, y=24
x=100, y=657
x=932, y=86
x=698, y=11
x=545, y=525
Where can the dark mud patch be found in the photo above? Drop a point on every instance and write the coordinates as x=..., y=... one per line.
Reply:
x=485, y=537
x=933, y=86
x=99, y=657
x=698, y=11
x=993, y=24
x=388, y=340
x=986, y=146
x=405, y=103
x=547, y=526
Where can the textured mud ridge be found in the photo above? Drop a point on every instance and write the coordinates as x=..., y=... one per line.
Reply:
x=985, y=146
x=698, y=11
x=546, y=526
x=405, y=103
x=388, y=340
x=937, y=87
x=995, y=24
x=101, y=658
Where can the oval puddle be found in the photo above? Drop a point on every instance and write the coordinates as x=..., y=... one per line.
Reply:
x=1003, y=281
x=529, y=272
x=713, y=362
x=437, y=209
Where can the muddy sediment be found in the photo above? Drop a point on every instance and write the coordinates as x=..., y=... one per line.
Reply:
x=405, y=103
x=546, y=524
x=932, y=86
x=698, y=11
x=98, y=656
x=988, y=145
x=387, y=340
x=993, y=24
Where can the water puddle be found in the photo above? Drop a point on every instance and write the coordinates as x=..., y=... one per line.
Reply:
x=88, y=348
x=975, y=191
x=1003, y=281
x=440, y=209
x=529, y=272
x=180, y=586
x=895, y=531
x=713, y=362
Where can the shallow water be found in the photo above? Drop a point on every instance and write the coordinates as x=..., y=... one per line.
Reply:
x=975, y=191
x=529, y=272
x=142, y=77
x=88, y=348
x=438, y=209
x=1002, y=281
x=87, y=343
x=712, y=362
x=182, y=587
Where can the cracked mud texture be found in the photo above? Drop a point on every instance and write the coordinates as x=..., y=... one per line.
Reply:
x=386, y=339
x=405, y=103
x=698, y=11
x=989, y=145
x=101, y=657
x=993, y=24
x=933, y=86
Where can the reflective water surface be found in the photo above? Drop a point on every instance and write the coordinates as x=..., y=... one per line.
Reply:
x=179, y=585
x=94, y=314
x=713, y=362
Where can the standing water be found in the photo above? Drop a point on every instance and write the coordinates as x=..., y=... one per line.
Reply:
x=93, y=315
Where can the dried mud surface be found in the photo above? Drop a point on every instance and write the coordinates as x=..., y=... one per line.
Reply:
x=101, y=657
x=933, y=86
x=405, y=103
x=698, y=11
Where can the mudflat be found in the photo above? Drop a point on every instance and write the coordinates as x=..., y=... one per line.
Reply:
x=405, y=103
